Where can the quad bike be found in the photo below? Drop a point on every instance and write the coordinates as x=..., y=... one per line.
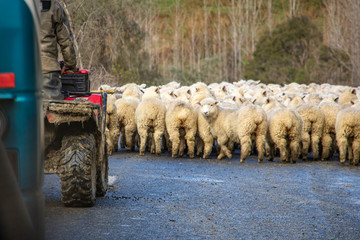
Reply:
x=75, y=146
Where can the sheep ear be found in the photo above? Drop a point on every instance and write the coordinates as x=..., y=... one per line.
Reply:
x=189, y=92
x=171, y=93
x=352, y=102
x=141, y=90
x=198, y=103
x=336, y=99
x=157, y=90
x=267, y=100
x=353, y=91
x=234, y=98
x=143, y=85
x=241, y=100
x=264, y=93
x=216, y=102
x=175, y=95
x=197, y=89
x=303, y=97
x=253, y=101
x=224, y=88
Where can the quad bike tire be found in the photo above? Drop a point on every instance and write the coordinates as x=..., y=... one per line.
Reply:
x=77, y=170
x=102, y=169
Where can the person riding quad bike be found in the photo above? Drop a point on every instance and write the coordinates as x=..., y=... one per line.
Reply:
x=55, y=30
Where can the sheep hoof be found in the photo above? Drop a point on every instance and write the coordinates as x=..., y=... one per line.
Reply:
x=142, y=154
x=242, y=160
x=260, y=161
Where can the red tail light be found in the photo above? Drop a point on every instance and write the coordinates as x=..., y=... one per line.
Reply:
x=7, y=80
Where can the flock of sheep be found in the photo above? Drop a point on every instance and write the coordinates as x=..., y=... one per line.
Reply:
x=293, y=119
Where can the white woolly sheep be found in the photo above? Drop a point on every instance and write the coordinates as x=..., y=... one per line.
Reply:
x=132, y=91
x=150, y=118
x=347, y=129
x=236, y=126
x=126, y=116
x=348, y=95
x=182, y=94
x=199, y=91
x=313, y=124
x=330, y=111
x=222, y=123
x=124, y=87
x=284, y=133
x=313, y=98
x=173, y=84
x=181, y=125
x=167, y=95
x=204, y=139
x=112, y=124
x=151, y=92
x=252, y=124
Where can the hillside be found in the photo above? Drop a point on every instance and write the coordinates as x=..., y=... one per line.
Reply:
x=156, y=41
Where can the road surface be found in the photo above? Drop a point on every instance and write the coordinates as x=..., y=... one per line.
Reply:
x=153, y=197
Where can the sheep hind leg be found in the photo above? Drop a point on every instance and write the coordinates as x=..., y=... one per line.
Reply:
x=260, y=147
x=356, y=151
x=226, y=151
x=342, y=144
x=175, y=142
x=326, y=142
x=190, y=140
x=157, y=138
x=129, y=133
x=143, y=139
x=221, y=155
x=182, y=147
x=151, y=141
x=245, y=148
x=315, y=140
x=284, y=155
x=294, y=150
x=305, y=145
x=199, y=146
x=122, y=138
x=208, y=148
x=350, y=151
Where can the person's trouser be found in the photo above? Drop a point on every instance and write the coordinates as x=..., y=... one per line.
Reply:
x=52, y=86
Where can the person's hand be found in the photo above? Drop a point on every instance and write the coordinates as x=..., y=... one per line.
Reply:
x=66, y=69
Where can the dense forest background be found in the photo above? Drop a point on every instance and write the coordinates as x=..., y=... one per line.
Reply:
x=158, y=41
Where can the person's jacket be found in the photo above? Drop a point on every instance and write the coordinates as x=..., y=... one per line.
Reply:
x=55, y=29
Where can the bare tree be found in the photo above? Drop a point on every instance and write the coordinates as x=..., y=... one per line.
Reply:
x=269, y=16
x=292, y=8
x=343, y=31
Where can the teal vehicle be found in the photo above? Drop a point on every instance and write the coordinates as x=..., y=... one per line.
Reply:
x=21, y=141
